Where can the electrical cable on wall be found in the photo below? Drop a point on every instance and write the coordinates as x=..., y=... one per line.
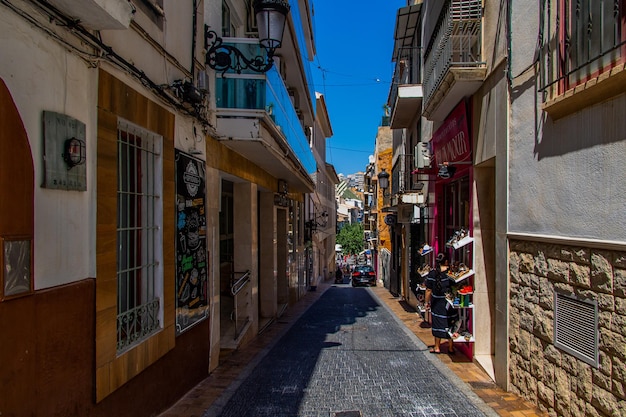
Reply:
x=105, y=52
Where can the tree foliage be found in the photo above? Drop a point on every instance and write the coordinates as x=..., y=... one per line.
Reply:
x=350, y=237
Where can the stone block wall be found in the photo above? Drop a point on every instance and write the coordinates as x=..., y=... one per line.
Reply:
x=558, y=382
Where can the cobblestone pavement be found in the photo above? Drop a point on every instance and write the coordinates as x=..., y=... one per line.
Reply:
x=348, y=355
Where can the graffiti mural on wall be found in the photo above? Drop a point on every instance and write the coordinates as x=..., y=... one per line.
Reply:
x=191, y=249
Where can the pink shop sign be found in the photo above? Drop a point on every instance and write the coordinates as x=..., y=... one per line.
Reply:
x=451, y=142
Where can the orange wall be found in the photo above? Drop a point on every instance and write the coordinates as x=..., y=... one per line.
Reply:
x=384, y=161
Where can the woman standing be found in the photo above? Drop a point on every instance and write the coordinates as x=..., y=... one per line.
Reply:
x=443, y=314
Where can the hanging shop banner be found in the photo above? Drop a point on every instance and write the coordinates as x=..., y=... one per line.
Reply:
x=451, y=142
x=191, y=247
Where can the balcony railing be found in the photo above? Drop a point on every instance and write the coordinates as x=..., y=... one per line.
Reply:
x=404, y=180
x=265, y=92
x=405, y=97
x=407, y=70
x=456, y=43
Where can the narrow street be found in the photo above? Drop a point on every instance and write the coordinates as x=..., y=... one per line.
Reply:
x=348, y=355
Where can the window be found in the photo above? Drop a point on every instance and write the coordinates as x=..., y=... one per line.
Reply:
x=134, y=264
x=228, y=29
x=251, y=26
x=139, y=235
x=589, y=38
x=16, y=277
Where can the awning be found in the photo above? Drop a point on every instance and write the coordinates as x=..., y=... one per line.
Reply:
x=407, y=23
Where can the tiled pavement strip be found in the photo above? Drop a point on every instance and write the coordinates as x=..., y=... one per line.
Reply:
x=232, y=367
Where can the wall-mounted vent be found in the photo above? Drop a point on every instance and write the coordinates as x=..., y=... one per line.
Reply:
x=576, y=327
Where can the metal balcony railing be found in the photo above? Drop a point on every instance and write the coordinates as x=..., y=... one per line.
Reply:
x=456, y=42
x=403, y=179
x=407, y=71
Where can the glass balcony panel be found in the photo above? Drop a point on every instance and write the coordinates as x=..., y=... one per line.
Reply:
x=280, y=107
x=296, y=15
x=250, y=48
x=269, y=93
x=240, y=93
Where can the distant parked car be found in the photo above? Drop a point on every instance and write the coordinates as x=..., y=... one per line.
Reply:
x=363, y=275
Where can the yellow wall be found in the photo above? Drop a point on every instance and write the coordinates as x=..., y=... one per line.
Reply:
x=383, y=162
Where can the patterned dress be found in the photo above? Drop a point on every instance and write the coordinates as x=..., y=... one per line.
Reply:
x=442, y=313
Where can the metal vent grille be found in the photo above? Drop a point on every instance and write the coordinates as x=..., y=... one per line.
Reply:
x=576, y=327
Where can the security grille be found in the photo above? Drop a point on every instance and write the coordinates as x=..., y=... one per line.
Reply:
x=456, y=42
x=576, y=327
x=579, y=38
x=139, y=236
x=466, y=10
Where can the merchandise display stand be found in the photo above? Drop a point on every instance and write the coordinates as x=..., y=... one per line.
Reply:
x=462, y=298
x=421, y=288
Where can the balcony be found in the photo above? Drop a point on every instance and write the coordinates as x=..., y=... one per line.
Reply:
x=256, y=118
x=453, y=65
x=405, y=96
x=98, y=14
x=405, y=179
x=406, y=93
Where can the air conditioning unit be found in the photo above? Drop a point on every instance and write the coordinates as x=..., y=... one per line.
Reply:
x=422, y=156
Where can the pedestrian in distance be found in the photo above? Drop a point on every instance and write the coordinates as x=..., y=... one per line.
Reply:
x=338, y=275
x=443, y=314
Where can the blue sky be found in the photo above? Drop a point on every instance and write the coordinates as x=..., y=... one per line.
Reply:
x=353, y=70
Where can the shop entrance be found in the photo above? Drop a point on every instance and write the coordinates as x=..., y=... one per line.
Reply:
x=454, y=229
x=227, y=268
x=395, y=278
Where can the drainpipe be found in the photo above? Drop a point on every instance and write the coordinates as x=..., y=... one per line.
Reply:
x=194, y=26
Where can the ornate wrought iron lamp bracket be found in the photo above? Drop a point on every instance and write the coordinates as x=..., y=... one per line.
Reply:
x=222, y=57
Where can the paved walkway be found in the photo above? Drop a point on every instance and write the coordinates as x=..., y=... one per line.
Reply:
x=209, y=394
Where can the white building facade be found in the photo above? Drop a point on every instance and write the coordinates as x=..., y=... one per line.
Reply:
x=566, y=250
x=152, y=208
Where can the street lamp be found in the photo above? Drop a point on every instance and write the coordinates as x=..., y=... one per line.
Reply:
x=270, y=16
x=383, y=181
x=319, y=221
